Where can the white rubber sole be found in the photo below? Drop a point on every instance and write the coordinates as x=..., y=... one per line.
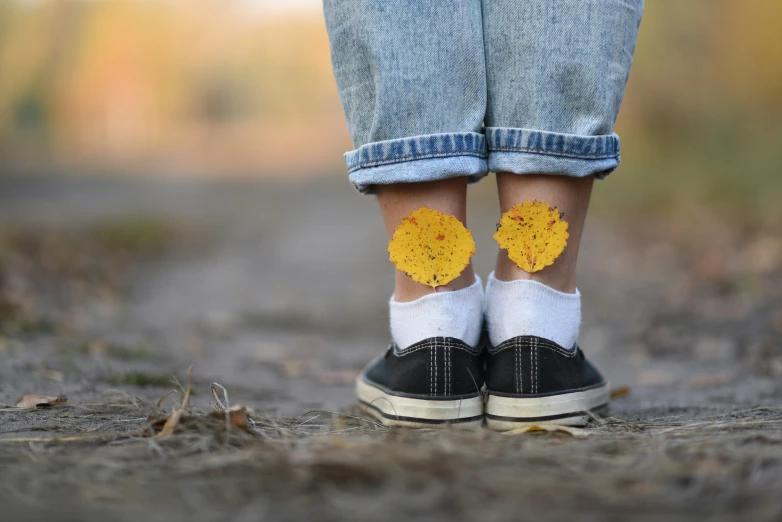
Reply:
x=393, y=410
x=567, y=409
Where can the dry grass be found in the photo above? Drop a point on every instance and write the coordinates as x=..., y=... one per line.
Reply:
x=340, y=466
x=691, y=452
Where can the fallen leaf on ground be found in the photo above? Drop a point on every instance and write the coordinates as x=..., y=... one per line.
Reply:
x=431, y=247
x=237, y=417
x=550, y=428
x=533, y=233
x=622, y=391
x=39, y=401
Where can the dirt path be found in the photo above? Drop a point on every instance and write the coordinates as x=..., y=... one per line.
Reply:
x=278, y=292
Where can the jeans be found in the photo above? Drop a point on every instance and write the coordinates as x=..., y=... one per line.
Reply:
x=434, y=89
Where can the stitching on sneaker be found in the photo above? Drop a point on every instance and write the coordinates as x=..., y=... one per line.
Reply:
x=445, y=366
x=533, y=367
x=531, y=371
x=516, y=368
x=450, y=359
x=431, y=368
x=519, y=375
x=527, y=342
x=435, y=366
x=520, y=347
x=423, y=345
x=537, y=376
x=406, y=351
x=537, y=370
x=448, y=369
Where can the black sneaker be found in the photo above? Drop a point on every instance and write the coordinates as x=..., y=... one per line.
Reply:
x=434, y=382
x=531, y=380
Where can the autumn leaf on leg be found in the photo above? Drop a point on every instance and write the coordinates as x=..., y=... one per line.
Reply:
x=431, y=247
x=533, y=233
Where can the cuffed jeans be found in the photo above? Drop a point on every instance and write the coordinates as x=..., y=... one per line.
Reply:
x=434, y=89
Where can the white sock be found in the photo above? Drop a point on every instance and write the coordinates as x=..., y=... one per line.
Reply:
x=526, y=307
x=456, y=314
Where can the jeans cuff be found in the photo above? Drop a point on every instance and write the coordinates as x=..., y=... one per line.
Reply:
x=416, y=159
x=525, y=151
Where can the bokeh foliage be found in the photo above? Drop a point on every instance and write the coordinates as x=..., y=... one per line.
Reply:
x=214, y=88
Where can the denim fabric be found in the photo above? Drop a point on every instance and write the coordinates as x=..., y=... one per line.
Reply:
x=441, y=88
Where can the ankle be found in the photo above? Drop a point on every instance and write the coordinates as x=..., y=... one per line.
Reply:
x=406, y=290
x=560, y=276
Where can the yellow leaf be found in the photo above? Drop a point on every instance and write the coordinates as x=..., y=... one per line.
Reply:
x=533, y=233
x=431, y=247
x=622, y=391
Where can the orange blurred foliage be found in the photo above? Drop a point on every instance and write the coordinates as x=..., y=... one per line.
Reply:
x=162, y=87
x=212, y=88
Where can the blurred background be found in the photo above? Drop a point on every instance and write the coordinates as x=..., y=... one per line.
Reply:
x=230, y=88
x=157, y=209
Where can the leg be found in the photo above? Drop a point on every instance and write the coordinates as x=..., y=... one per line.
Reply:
x=397, y=201
x=571, y=196
x=552, y=104
x=412, y=82
x=556, y=71
x=426, y=328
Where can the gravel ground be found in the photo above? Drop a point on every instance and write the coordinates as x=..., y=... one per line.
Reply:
x=110, y=290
